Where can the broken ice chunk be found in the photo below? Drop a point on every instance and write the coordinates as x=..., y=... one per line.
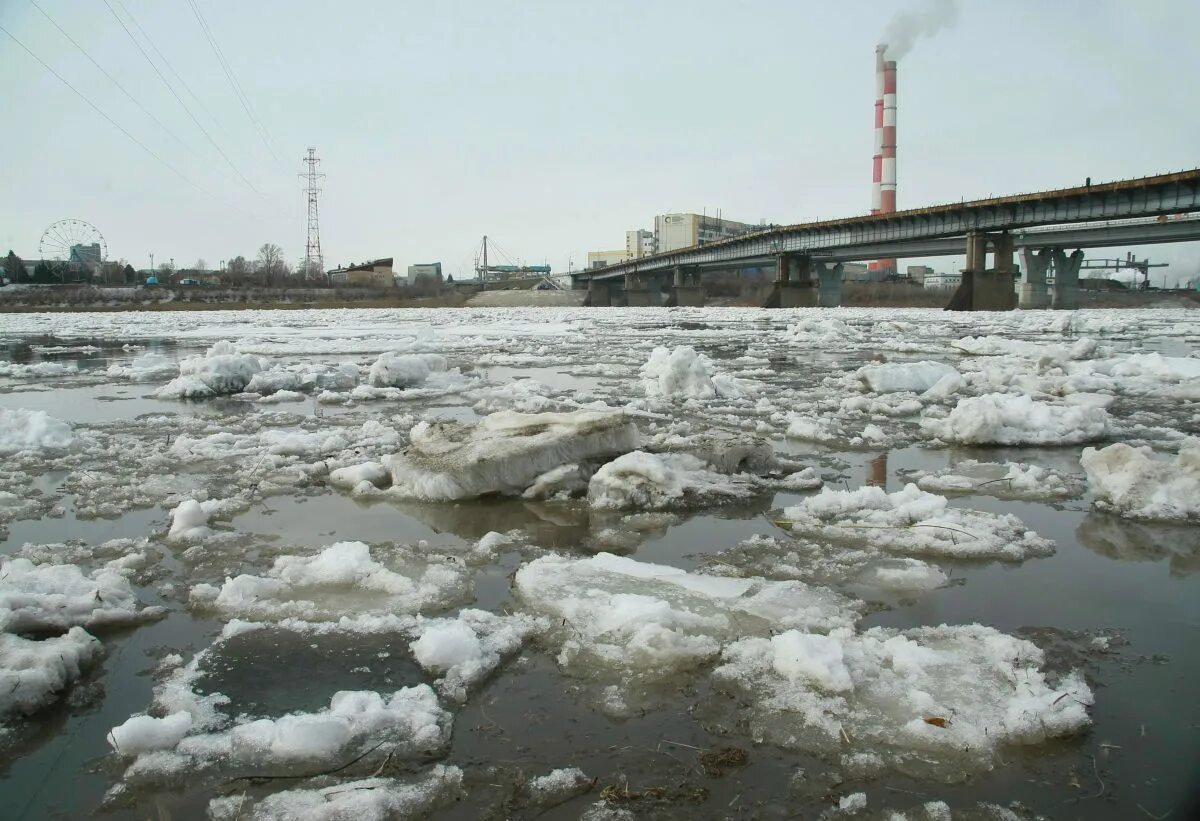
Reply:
x=504, y=452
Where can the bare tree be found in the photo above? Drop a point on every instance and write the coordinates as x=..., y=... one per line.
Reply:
x=270, y=265
x=200, y=266
x=238, y=269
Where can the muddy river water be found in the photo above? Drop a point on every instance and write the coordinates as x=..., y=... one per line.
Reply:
x=1116, y=599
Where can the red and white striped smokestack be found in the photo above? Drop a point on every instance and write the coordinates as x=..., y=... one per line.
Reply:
x=883, y=166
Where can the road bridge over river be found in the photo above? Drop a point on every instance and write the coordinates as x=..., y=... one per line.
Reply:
x=1041, y=227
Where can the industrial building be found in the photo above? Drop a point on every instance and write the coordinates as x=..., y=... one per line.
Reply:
x=427, y=270
x=374, y=274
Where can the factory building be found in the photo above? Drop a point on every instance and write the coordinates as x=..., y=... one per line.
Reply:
x=426, y=270
x=374, y=274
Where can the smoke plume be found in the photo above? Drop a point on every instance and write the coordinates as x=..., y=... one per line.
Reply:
x=907, y=27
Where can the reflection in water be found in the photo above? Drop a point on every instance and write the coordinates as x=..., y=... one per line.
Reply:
x=877, y=475
x=1132, y=541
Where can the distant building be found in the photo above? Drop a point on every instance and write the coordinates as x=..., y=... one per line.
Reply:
x=917, y=273
x=429, y=270
x=374, y=274
x=88, y=256
x=602, y=259
x=674, y=231
x=939, y=281
x=639, y=243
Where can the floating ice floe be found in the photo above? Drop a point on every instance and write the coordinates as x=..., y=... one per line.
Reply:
x=1008, y=480
x=683, y=373
x=1132, y=483
x=33, y=674
x=934, y=701
x=465, y=649
x=403, y=370
x=1014, y=419
x=825, y=331
x=55, y=597
x=504, y=452
x=406, y=723
x=148, y=367
x=1082, y=348
x=365, y=799
x=915, y=377
x=911, y=521
x=652, y=481
x=611, y=614
x=558, y=786
x=37, y=370
x=342, y=578
x=221, y=370
x=32, y=430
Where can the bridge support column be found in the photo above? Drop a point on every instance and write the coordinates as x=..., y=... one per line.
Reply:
x=829, y=285
x=683, y=293
x=639, y=293
x=1066, y=279
x=599, y=294
x=793, y=283
x=1034, y=293
x=985, y=289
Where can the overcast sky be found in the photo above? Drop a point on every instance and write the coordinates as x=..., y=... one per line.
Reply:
x=555, y=126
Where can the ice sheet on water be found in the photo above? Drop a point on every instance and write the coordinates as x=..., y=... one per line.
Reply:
x=32, y=431
x=612, y=615
x=55, y=597
x=365, y=799
x=911, y=521
x=463, y=650
x=937, y=702
x=406, y=723
x=1007, y=480
x=148, y=367
x=37, y=370
x=1132, y=483
x=504, y=452
x=1014, y=419
x=34, y=674
x=914, y=377
x=343, y=577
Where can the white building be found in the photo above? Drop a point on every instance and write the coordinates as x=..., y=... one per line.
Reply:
x=940, y=281
x=674, y=231
x=639, y=243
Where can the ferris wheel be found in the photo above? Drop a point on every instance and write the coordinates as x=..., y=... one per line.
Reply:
x=75, y=242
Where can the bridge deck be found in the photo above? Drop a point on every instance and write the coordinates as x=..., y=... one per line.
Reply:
x=909, y=232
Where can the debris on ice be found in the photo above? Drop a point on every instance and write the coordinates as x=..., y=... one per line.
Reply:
x=1132, y=483
x=1017, y=419
x=505, y=452
x=365, y=799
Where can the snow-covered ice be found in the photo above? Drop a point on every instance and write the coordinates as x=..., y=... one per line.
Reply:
x=1009, y=419
x=1132, y=483
x=32, y=430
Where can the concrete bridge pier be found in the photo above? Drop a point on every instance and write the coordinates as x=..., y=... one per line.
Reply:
x=642, y=291
x=686, y=291
x=1035, y=292
x=599, y=294
x=983, y=288
x=793, y=283
x=1066, y=279
x=829, y=285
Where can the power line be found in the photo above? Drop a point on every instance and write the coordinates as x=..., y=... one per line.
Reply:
x=179, y=99
x=113, y=79
x=100, y=111
x=229, y=75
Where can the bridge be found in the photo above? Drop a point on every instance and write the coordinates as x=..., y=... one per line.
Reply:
x=1039, y=226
